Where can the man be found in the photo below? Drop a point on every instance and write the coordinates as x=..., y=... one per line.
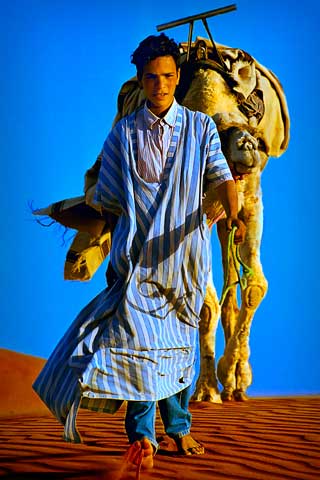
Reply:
x=136, y=340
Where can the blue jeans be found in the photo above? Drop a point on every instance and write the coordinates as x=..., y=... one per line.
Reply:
x=176, y=418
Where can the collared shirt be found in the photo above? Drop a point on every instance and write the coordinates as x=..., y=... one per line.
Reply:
x=153, y=137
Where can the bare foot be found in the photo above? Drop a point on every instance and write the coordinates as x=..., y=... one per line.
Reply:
x=140, y=453
x=187, y=445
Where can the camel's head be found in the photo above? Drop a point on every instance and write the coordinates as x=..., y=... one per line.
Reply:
x=241, y=145
x=241, y=150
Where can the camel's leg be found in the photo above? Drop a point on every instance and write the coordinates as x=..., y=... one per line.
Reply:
x=234, y=371
x=207, y=384
x=229, y=315
x=256, y=288
x=251, y=298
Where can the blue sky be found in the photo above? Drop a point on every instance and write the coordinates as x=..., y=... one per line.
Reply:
x=63, y=63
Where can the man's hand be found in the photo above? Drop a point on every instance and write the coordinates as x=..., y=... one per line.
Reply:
x=240, y=233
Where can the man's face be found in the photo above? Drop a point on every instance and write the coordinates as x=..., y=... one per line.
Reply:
x=159, y=80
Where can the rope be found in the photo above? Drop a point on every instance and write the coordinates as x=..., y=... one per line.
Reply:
x=234, y=255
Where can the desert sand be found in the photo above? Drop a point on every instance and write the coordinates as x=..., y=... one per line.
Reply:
x=263, y=438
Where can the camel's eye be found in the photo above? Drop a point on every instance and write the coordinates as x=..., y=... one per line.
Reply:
x=261, y=145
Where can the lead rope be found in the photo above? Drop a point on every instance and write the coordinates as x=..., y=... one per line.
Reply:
x=247, y=272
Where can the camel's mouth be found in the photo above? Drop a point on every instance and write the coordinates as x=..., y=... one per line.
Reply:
x=239, y=169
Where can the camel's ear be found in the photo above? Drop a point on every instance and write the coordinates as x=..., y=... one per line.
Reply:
x=275, y=124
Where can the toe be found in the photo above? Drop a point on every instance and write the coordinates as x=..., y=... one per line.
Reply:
x=189, y=446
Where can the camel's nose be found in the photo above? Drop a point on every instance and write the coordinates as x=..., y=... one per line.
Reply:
x=248, y=146
x=248, y=143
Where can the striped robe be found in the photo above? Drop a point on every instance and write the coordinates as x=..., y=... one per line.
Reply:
x=137, y=340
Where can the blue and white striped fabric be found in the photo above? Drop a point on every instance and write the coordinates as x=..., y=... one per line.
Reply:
x=136, y=341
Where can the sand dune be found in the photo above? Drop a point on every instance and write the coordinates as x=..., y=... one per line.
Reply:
x=265, y=438
x=17, y=373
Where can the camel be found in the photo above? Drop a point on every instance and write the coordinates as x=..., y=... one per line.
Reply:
x=247, y=102
x=249, y=108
